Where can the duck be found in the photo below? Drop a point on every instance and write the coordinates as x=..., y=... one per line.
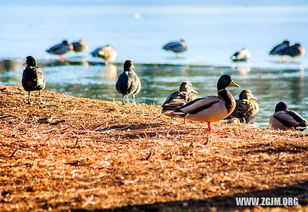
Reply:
x=293, y=51
x=246, y=107
x=284, y=119
x=242, y=55
x=79, y=46
x=60, y=49
x=32, y=78
x=108, y=53
x=211, y=108
x=128, y=83
x=176, y=46
x=175, y=100
x=277, y=50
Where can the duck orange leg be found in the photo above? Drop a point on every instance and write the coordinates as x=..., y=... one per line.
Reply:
x=209, y=126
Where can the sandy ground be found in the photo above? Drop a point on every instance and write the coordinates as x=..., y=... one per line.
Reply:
x=75, y=153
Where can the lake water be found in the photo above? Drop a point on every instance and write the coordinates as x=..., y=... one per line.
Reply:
x=138, y=29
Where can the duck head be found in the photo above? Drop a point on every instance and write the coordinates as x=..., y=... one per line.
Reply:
x=69, y=46
x=187, y=87
x=128, y=65
x=30, y=61
x=297, y=45
x=281, y=106
x=246, y=94
x=286, y=42
x=225, y=81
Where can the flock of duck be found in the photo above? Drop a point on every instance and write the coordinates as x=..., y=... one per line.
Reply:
x=184, y=102
x=109, y=54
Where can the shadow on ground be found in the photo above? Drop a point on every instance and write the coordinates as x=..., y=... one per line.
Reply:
x=219, y=203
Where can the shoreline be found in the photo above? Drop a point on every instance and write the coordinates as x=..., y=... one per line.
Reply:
x=80, y=153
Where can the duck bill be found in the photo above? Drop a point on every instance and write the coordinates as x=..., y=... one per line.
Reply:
x=234, y=84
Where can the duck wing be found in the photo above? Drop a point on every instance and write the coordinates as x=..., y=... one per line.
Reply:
x=199, y=104
x=278, y=49
x=128, y=83
x=134, y=84
x=241, y=109
x=286, y=119
x=33, y=79
x=95, y=52
x=300, y=120
x=174, y=101
x=58, y=49
x=122, y=83
x=290, y=51
x=174, y=46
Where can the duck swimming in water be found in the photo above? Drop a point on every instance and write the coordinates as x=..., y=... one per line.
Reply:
x=284, y=119
x=211, y=108
x=32, y=78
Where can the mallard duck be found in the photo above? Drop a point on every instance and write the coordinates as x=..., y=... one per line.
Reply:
x=284, y=119
x=295, y=50
x=176, y=46
x=185, y=94
x=128, y=83
x=108, y=53
x=241, y=56
x=211, y=108
x=278, y=49
x=60, y=49
x=79, y=46
x=32, y=78
x=246, y=107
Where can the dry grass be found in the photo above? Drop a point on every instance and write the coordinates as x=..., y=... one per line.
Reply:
x=73, y=153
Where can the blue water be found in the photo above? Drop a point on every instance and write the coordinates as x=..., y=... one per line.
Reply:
x=138, y=29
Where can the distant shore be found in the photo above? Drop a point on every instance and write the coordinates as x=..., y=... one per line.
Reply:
x=78, y=153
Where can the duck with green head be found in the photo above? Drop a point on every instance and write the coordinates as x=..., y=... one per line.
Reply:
x=211, y=108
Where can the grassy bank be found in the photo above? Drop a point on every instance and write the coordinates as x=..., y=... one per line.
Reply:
x=74, y=153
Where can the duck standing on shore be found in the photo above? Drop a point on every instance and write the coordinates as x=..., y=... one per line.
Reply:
x=176, y=47
x=32, y=78
x=174, y=101
x=108, y=53
x=242, y=55
x=79, y=46
x=60, y=49
x=128, y=83
x=211, y=108
x=284, y=119
x=246, y=107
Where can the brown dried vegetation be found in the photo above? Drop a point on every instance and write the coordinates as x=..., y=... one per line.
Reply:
x=74, y=153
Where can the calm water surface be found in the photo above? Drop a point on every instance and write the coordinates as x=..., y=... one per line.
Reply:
x=138, y=28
